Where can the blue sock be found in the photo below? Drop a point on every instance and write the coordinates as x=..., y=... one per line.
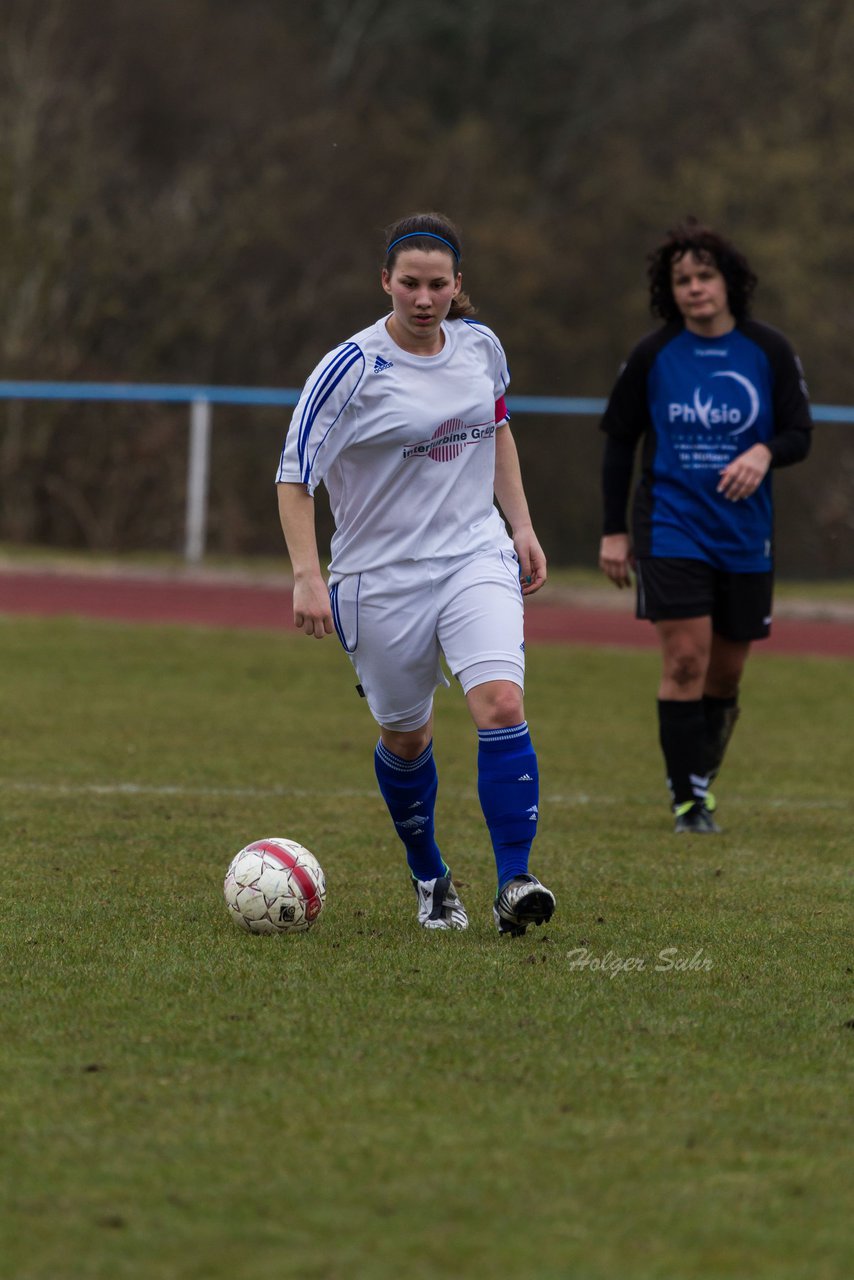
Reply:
x=508, y=784
x=409, y=789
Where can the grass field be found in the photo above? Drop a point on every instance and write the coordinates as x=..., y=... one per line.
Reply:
x=369, y=1100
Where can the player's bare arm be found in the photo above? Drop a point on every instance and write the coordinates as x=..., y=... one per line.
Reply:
x=745, y=473
x=312, y=610
x=511, y=498
x=615, y=558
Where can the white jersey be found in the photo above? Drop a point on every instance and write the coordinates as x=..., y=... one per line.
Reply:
x=405, y=445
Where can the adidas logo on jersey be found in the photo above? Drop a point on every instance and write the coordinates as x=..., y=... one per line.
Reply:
x=381, y=365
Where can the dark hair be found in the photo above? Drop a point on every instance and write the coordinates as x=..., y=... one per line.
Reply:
x=707, y=245
x=427, y=231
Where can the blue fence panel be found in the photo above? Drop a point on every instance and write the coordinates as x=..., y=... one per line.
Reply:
x=150, y=391
x=201, y=398
x=571, y=406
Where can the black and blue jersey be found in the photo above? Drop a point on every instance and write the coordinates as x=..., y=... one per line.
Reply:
x=697, y=403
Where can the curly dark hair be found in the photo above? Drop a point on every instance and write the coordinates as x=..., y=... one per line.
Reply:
x=429, y=231
x=691, y=236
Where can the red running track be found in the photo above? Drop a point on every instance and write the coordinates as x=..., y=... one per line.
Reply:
x=217, y=603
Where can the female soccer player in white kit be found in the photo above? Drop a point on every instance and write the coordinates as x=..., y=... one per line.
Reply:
x=406, y=425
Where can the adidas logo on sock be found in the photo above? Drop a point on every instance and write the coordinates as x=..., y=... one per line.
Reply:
x=381, y=365
x=415, y=825
x=534, y=811
x=526, y=777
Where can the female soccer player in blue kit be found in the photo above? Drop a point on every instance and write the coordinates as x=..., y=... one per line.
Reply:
x=718, y=400
x=406, y=425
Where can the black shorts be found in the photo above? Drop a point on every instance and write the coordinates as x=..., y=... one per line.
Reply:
x=739, y=604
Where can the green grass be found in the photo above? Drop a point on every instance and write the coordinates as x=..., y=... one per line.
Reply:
x=369, y=1100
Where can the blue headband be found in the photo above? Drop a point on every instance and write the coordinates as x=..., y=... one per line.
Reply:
x=431, y=234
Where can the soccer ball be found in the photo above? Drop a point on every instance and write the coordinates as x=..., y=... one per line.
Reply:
x=275, y=886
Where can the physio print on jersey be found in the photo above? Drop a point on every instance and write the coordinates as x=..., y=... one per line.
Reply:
x=699, y=403
x=710, y=400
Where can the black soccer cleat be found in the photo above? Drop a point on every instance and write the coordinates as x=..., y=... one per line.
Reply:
x=521, y=902
x=694, y=818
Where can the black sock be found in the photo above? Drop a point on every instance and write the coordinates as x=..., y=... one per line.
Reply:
x=682, y=734
x=721, y=715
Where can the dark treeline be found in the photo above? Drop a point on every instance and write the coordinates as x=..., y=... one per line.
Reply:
x=195, y=190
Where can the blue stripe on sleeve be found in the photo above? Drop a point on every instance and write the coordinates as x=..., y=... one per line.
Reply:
x=477, y=327
x=328, y=379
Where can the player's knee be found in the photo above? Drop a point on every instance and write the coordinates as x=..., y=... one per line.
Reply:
x=407, y=745
x=496, y=705
x=685, y=668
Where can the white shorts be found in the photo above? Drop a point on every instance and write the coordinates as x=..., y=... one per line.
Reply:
x=396, y=622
